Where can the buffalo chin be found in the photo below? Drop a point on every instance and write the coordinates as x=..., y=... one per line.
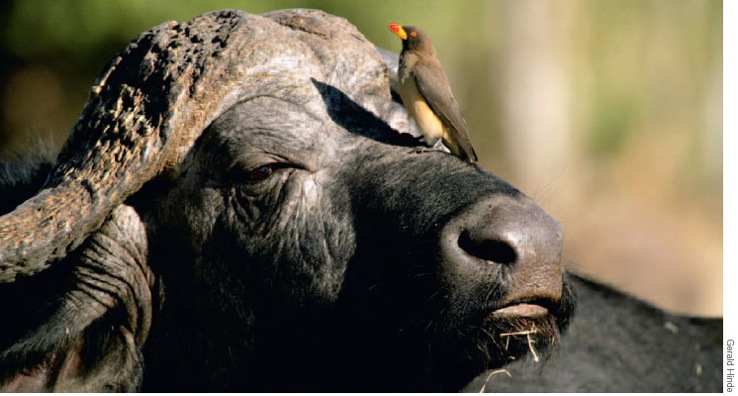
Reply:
x=500, y=336
x=491, y=343
x=508, y=333
x=510, y=338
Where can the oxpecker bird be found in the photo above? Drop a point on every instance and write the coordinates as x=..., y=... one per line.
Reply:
x=426, y=93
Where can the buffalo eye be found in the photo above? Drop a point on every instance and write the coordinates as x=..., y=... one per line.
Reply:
x=258, y=174
x=256, y=178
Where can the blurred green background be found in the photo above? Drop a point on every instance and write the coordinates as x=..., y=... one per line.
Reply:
x=607, y=113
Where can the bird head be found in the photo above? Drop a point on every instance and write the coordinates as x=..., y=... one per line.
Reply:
x=412, y=37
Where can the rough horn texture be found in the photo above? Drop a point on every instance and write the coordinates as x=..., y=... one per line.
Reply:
x=145, y=112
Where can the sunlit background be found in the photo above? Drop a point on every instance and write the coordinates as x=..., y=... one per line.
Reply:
x=607, y=113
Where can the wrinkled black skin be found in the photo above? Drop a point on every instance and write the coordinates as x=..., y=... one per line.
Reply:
x=617, y=343
x=327, y=289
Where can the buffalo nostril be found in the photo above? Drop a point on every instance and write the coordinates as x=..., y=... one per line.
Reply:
x=487, y=249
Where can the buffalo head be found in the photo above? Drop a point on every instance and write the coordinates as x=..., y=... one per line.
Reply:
x=242, y=206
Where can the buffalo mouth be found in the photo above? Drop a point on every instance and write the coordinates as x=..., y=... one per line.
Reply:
x=524, y=309
x=534, y=319
x=529, y=327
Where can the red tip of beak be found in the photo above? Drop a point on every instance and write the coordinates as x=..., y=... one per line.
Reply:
x=397, y=29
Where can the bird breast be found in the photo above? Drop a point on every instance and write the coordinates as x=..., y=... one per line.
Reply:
x=424, y=117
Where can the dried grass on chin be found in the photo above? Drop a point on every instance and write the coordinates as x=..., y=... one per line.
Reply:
x=538, y=335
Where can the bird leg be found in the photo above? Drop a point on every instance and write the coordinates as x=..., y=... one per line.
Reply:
x=436, y=146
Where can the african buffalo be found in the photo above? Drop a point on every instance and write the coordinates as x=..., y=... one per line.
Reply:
x=242, y=206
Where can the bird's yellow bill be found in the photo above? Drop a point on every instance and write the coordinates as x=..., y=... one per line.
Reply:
x=397, y=29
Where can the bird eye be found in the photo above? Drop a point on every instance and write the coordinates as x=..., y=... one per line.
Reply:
x=413, y=34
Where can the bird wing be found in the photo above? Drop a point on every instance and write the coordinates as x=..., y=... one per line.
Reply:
x=435, y=89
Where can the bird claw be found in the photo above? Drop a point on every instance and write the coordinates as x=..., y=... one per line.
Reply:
x=438, y=146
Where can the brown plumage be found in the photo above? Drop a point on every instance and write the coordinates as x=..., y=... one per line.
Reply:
x=426, y=93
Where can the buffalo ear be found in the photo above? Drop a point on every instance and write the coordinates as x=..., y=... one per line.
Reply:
x=103, y=359
x=85, y=334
